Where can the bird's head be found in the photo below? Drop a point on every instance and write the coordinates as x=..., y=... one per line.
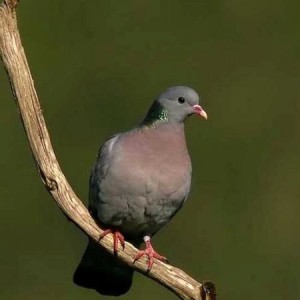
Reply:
x=174, y=105
x=181, y=102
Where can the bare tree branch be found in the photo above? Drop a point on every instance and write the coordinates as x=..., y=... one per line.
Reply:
x=15, y=63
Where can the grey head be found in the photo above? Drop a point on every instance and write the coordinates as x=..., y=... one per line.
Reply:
x=174, y=105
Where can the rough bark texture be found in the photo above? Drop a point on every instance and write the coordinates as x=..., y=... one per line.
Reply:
x=15, y=63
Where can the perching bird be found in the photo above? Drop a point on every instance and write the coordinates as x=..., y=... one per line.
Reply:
x=140, y=180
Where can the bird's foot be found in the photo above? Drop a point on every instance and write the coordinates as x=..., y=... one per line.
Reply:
x=117, y=236
x=150, y=253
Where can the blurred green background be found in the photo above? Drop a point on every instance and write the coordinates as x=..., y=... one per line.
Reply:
x=97, y=66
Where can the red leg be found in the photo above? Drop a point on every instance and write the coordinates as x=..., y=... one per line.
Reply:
x=118, y=237
x=150, y=253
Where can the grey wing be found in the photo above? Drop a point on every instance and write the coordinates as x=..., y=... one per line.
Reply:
x=99, y=172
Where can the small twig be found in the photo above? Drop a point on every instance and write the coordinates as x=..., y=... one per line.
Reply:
x=11, y=3
x=15, y=63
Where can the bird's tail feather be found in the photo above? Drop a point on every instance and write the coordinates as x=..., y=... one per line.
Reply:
x=101, y=271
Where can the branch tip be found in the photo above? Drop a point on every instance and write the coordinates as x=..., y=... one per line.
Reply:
x=208, y=291
x=12, y=4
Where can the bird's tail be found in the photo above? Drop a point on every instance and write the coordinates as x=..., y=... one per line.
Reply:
x=101, y=271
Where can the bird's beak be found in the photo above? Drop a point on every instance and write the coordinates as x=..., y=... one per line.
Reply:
x=200, y=111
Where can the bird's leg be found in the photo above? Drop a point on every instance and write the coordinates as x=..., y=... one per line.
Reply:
x=150, y=253
x=117, y=236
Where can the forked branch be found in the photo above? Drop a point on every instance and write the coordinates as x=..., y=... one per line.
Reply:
x=15, y=63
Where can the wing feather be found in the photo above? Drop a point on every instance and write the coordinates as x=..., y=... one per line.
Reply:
x=99, y=171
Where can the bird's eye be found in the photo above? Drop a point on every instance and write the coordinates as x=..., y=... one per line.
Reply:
x=181, y=100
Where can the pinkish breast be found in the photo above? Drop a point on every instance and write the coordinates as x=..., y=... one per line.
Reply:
x=155, y=157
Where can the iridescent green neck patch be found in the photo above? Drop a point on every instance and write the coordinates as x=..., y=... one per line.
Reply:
x=156, y=114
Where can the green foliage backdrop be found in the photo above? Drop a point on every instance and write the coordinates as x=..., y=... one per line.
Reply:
x=97, y=65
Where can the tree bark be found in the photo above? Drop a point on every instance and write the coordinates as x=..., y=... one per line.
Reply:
x=16, y=65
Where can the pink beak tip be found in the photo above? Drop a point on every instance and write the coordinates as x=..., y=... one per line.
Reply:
x=200, y=111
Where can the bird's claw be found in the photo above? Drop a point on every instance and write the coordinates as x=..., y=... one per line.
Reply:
x=117, y=236
x=151, y=254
